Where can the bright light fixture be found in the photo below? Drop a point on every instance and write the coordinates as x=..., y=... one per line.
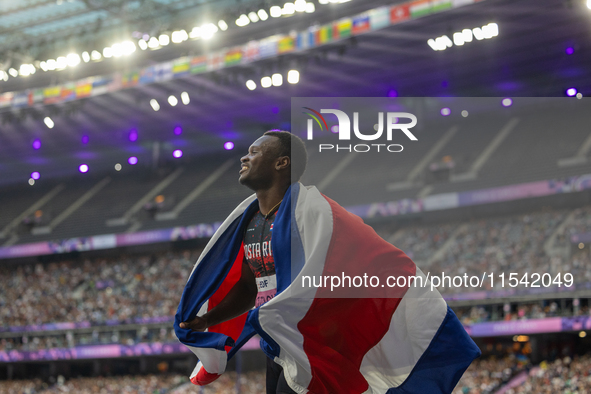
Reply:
x=164, y=39
x=48, y=122
x=275, y=11
x=323, y=1
x=266, y=82
x=458, y=38
x=185, y=98
x=263, y=14
x=128, y=47
x=73, y=59
x=94, y=55
x=86, y=56
x=13, y=72
x=172, y=100
x=293, y=76
x=142, y=44
x=310, y=7
x=195, y=33
x=154, y=104
x=242, y=20
x=277, y=79
x=153, y=43
x=208, y=30
x=288, y=9
x=300, y=5
x=107, y=52
x=51, y=64
x=254, y=18
x=467, y=35
x=478, y=33
x=223, y=25
x=251, y=85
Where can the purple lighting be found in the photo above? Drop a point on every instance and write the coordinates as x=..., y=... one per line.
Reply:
x=35, y=175
x=569, y=50
x=507, y=102
x=229, y=145
x=177, y=153
x=275, y=110
x=570, y=92
x=85, y=139
x=133, y=135
x=178, y=130
x=445, y=111
x=83, y=168
x=37, y=144
x=392, y=93
x=132, y=160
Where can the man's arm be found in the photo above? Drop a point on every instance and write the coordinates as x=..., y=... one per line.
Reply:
x=241, y=298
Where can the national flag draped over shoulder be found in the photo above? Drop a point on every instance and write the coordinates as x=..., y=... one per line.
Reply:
x=411, y=343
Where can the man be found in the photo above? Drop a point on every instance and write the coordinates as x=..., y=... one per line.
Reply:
x=360, y=339
x=266, y=169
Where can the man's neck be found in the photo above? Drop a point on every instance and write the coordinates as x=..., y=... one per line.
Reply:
x=269, y=198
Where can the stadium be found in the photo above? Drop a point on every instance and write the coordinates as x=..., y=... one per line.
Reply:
x=123, y=125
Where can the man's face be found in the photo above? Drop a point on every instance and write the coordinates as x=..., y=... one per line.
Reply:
x=258, y=166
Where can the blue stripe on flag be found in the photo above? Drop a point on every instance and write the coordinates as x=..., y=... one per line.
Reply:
x=442, y=365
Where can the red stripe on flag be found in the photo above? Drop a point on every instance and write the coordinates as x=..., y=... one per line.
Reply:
x=232, y=328
x=338, y=332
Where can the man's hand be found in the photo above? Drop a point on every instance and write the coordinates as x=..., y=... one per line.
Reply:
x=197, y=324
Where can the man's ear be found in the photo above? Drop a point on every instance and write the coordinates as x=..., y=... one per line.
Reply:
x=282, y=163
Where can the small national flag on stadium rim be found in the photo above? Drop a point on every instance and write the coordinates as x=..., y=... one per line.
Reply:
x=198, y=64
x=233, y=56
x=420, y=8
x=360, y=23
x=286, y=44
x=181, y=66
x=399, y=13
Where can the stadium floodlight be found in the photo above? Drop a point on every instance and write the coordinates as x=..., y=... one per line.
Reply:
x=223, y=25
x=300, y=5
x=31, y=181
x=61, y=63
x=73, y=59
x=277, y=79
x=94, y=55
x=491, y=30
x=85, y=56
x=579, y=95
x=254, y=18
x=570, y=92
x=589, y=4
x=107, y=52
x=266, y=82
x=507, y=102
x=293, y=76
x=208, y=30
x=442, y=43
x=132, y=160
x=445, y=111
x=3, y=75
x=195, y=33
x=117, y=167
x=128, y=47
x=154, y=104
x=48, y=122
x=117, y=50
x=478, y=33
x=37, y=144
x=51, y=64
x=229, y=145
x=310, y=7
x=179, y=36
x=288, y=8
x=24, y=70
x=177, y=153
x=164, y=39
x=323, y=1
x=251, y=85
x=35, y=175
x=467, y=35
x=42, y=65
x=153, y=43
x=458, y=39
x=13, y=72
x=275, y=11
x=334, y=1
x=142, y=44
x=263, y=14
x=242, y=20
x=185, y=98
x=172, y=100
x=83, y=168
x=433, y=44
